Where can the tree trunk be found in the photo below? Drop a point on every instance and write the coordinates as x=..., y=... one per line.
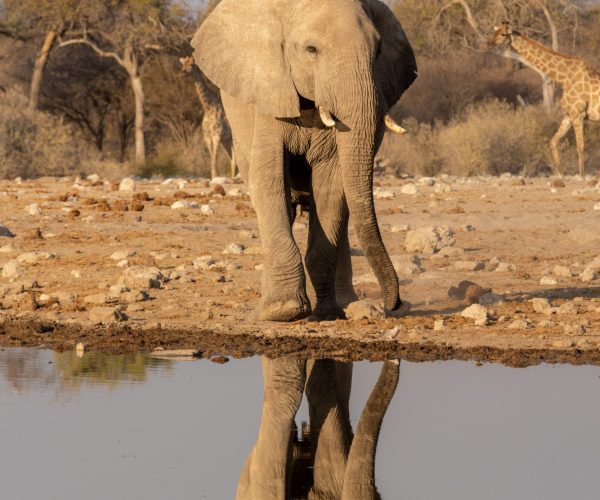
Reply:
x=140, y=145
x=548, y=89
x=38, y=69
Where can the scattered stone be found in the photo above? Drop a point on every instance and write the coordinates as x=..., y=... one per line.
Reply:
x=597, y=206
x=106, y=315
x=476, y=312
x=562, y=271
x=142, y=277
x=93, y=178
x=399, y=228
x=576, y=328
x=410, y=189
x=563, y=344
x=207, y=210
x=34, y=209
x=467, y=228
x=204, y=263
x=467, y=291
x=505, y=267
x=557, y=183
x=429, y=240
x=235, y=192
x=120, y=206
x=542, y=306
x=141, y=196
x=12, y=270
x=427, y=181
x=438, y=325
x=5, y=232
x=407, y=265
x=34, y=257
x=7, y=248
x=183, y=204
x=380, y=194
x=127, y=184
x=469, y=265
x=218, y=189
x=567, y=308
x=234, y=249
x=123, y=254
x=133, y=296
x=518, y=182
x=546, y=323
x=219, y=278
x=548, y=281
x=219, y=180
x=390, y=334
x=363, y=310
x=97, y=299
x=589, y=274
x=442, y=187
x=519, y=324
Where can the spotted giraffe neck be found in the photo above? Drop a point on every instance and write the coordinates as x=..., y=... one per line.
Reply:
x=556, y=66
x=206, y=96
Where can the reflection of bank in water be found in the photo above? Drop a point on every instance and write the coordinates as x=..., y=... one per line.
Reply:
x=67, y=372
x=329, y=460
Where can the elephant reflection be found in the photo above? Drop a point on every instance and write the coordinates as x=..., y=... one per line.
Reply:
x=335, y=463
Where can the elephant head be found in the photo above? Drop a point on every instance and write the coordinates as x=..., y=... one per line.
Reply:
x=349, y=59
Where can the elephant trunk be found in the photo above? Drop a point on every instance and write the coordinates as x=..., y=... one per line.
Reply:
x=359, y=133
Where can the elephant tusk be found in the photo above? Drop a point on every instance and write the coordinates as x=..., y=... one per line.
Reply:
x=393, y=126
x=326, y=117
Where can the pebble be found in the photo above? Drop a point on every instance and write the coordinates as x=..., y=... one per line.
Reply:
x=546, y=323
x=12, y=270
x=380, y=194
x=219, y=180
x=203, y=263
x=567, y=308
x=576, y=328
x=106, y=315
x=438, y=325
x=505, y=267
x=548, y=281
x=75, y=273
x=234, y=249
x=363, y=310
x=468, y=291
x=469, y=265
x=476, y=312
x=184, y=204
x=142, y=277
x=235, y=192
x=127, y=184
x=562, y=271
x=542, y=306
x=442, y=187
x=34, y=257
x=123, y=254
x=5, y=232
x=519, y=324
x=597, y=206
x=399, y=228
x=429, y=239
x=207, y=210
x=410, y=189
x=427, y=181
x=589, y=274
x=34, y=209
x=390, y=334
x=407, y=265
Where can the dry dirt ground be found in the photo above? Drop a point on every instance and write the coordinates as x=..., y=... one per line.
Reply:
x=121, y=270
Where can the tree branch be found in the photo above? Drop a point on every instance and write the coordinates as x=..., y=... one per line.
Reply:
x=94, y=47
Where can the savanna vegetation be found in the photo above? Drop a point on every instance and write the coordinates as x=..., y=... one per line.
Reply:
x=94, y=85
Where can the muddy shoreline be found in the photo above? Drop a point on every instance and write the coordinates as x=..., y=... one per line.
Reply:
x=125, y=339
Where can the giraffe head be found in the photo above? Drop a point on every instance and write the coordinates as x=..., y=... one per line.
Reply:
x=187, y=64
x=502, y=35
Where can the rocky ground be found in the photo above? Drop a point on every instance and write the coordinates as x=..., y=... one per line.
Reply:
x=496, y=269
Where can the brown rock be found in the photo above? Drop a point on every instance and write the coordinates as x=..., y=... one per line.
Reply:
x=142, y=196
x=136, y=206
x=218, y=189
x=518, y=182
x=467, y=291
x=180, y=195
x=31, y=234
x=103, y=206
x=558, y=183
x=120, y=206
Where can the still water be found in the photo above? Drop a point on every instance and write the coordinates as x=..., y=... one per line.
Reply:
x=132, y=427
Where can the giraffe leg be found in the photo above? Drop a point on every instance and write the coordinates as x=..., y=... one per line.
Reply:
x=565, y=126
x=213, y=158
x=578, y=127
x=233, y=164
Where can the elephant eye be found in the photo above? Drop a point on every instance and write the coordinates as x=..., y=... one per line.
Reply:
x=311, y=49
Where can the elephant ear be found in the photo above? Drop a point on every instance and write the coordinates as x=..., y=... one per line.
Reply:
x=239, y=47
x=396, y=67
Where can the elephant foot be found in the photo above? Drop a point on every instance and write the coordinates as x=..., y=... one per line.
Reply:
x=329, y=312
x=346, y=296
x=287, y=308
x=402, y=310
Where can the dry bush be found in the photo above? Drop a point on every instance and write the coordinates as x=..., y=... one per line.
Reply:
x=34, y=143
x=490, y=138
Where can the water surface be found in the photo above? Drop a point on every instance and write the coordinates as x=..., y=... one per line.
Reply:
x=133, y=427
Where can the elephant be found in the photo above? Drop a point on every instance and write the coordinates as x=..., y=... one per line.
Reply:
x=330, y=462
x=306, y=86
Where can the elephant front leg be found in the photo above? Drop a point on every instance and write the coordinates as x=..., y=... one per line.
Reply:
x=283, y=284
x=328, y=221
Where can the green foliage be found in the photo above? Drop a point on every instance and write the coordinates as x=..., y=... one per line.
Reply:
x=34, y=143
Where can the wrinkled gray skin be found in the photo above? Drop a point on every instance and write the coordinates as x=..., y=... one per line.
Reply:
x=276, y=62
x=343, y=463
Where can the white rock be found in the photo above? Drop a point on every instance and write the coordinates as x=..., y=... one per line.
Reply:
x=363, y=310
x=203, y=263
x=442, y=187
x=519, y=324
x=123, y=263
x=207, y=210
x=427, y=181
x=34, y=209
x=567, y=308
x=106, y=315
x=127, y=184
x=390, y=334
x=410, y=189
x=548, y=281
x=219, y=180
x=183, y=204
x=75, y=273
x=235, y=192
x=234, y=249
x=476, y=312
x=407, y=265
x=399, y=228
x=381, y=194
x=597, y=206
x=123, y=254
x=34, y=257
x=562, y=271
x=429, y=239
x=12, y=270
x=93, y=178
x=505, y=267
x=142, y=277
x=438, y=325
x=542, y=305
x=469, y=265
x=97, y=299
x=589, y=274
x=7, y=248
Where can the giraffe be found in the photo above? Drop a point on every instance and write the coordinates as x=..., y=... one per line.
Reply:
x=579, y=82
x=215, y=127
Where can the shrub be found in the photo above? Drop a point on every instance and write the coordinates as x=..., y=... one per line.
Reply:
x=34, y=143
x=486, y=139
